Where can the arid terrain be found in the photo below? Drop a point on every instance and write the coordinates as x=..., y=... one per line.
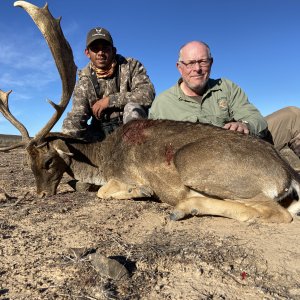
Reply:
x=76, y=246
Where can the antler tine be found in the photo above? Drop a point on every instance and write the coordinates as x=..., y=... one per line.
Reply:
x=4, y=108
x=63, y=57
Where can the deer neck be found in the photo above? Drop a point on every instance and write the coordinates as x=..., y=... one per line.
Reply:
x=87, y=163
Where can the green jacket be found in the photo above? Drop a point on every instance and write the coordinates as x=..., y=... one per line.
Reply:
x=223, y=102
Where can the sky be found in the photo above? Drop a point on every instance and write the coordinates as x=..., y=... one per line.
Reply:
x=256, y=44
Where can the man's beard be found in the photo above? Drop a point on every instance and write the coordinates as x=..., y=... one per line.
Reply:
x=199, y=88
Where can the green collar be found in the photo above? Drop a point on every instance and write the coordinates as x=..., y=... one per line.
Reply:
x=212, y=85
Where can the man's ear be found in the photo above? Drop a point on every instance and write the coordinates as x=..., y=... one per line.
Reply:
x=178, y=65
x=114, y=49
x=87, y=53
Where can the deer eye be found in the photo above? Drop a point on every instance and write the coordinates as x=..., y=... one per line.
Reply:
x=48, y=163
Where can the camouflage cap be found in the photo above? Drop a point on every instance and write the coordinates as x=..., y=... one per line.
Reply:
x=98, y=33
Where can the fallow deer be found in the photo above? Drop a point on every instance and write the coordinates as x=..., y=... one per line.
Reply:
x=198, y=168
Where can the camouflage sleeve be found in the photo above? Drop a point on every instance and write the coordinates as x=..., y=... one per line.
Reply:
x=75, y=123
x=141, y=89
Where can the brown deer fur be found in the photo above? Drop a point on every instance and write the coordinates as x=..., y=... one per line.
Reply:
x=198, y=168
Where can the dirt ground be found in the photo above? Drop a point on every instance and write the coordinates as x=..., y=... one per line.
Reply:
x=50, y=248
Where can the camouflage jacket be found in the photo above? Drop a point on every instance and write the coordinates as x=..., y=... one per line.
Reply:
x=130, y=83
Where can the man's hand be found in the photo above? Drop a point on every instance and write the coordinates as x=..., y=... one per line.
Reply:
x=99, y=106
x=237, y=126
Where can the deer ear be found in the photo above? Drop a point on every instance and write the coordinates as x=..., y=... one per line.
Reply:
x=62, y=149
x=62, y=154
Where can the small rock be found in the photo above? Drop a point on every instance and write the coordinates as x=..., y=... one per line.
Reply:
x=108, y=267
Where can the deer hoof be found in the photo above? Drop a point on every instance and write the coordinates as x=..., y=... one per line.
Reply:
x=146, y=191
x=194, y=212
x=177, y=215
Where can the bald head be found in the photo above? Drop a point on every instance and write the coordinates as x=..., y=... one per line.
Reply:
x=192, y=47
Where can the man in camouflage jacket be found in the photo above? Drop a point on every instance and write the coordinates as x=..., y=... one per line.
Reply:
x=110, y=90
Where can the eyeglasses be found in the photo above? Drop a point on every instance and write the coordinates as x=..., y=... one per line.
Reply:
x=192, y=63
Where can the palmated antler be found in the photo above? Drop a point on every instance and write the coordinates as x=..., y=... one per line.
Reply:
x=63, y=56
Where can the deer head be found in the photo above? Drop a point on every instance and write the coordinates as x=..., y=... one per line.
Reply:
x=42, y=159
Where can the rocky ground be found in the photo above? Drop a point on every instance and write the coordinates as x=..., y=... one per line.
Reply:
x=76, y=246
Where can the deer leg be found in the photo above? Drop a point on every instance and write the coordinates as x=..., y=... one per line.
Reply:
x=270, y=210
x=116, y=189
x=211, y=206
x=264, y=210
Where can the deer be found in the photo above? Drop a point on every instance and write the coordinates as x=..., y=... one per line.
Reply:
x=196, y=168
